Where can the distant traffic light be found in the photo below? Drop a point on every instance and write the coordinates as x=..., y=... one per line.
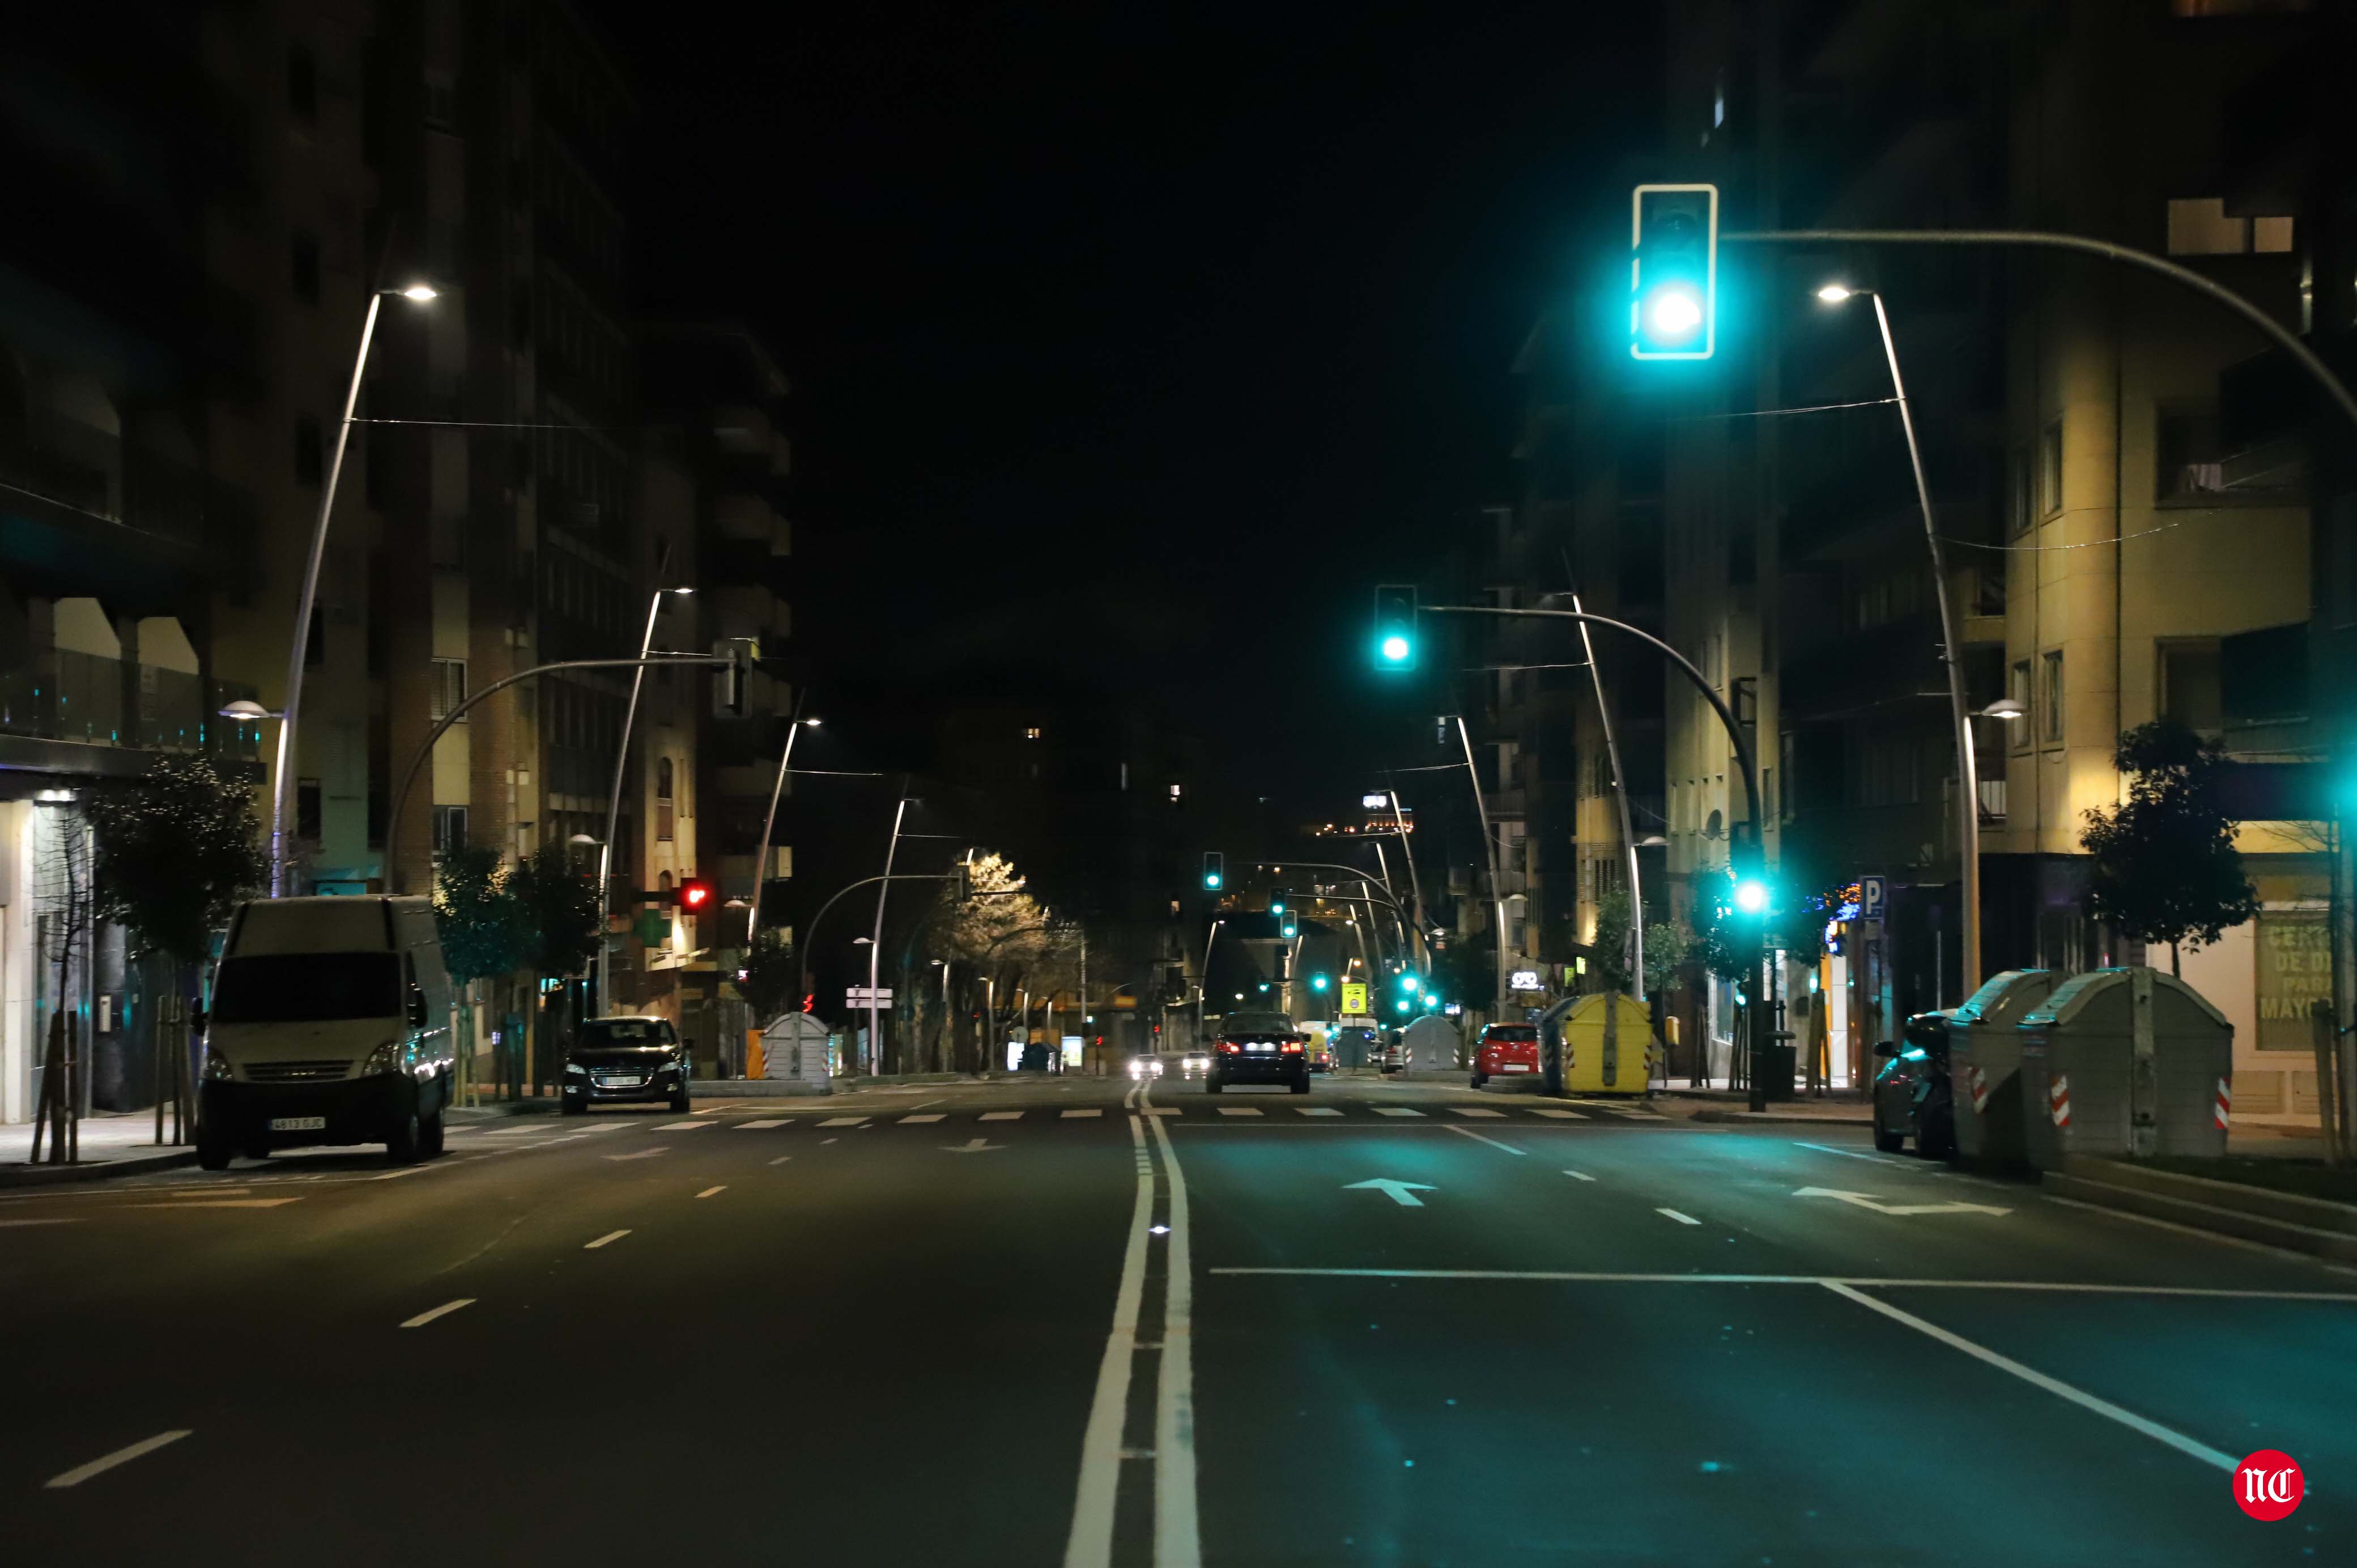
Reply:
x=1215, y=874
x=1318, y=983
x=1289, y=926
x=1674, y=271
x=694, y=895
x=1395, y=630
x=1407, y=984
x=1276, y=903
x=1751, y=896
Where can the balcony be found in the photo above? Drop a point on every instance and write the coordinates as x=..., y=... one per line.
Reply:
x=88, y=701
x=748, y=518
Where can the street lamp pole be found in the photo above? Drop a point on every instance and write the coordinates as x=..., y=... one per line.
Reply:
x=768, y=822
x=1968, y=802
x=876, y=943
x=1203, y=985
x=1620, y=796
x=281, y=791
x=1497, y=894
x=614, y=799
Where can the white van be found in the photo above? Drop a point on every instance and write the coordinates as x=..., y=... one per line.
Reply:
x=329, y=1023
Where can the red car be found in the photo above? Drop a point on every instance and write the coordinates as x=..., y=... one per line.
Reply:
x=1506, y=1050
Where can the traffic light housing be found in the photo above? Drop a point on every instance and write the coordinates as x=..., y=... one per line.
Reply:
x=692, y=895
x=1215, y=872
x=1394, y=645
x=1674, y=271
x=1288, y=925
x=728, y=685
x=962, y=880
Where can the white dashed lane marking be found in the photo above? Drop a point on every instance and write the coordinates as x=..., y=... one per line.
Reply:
x=1075, y=1115
x=1395, y=1111
x=609, y=1236
x=448, y=1307
x=1318, y=1111
x=927, y=1116
x=708, y=1191
x=683, y=1126
x=842, y=1121
x=99, y=1466
x=1475, y=1110
x=1239, y=1110
x=767, y=1121
x=1681, y=1219
x=1001, y=1115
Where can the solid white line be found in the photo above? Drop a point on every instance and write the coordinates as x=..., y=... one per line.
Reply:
x=1468, y=1132
x=1090, y=1545
x=423, y=1318
x=2055, y=1386
x=1093, y=1111
x=1862, y=1154
x=684, y=1126
x=608, y=1236
x=219, y=1203
x=80, y=1473
x=1178, y=1535
x=1571, y=1276
x=1579, y=1175
x=5, y=1224
x=1000, y=1116
x=1129, y=1100
x=1681, y=1219
x=708, y=1191
x=919, y=1121
x=763, y=1124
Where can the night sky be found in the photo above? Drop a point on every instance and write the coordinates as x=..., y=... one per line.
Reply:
x=1131, y=346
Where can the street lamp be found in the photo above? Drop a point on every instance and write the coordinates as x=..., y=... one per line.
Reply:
x=614, y=799
x=875, y=948
x=761, y=857
x=282, y=793
x=1952, y=653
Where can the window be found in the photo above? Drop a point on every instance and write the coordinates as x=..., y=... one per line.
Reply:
x=2190, y=691
x=1031, y=732
x=2191, y=454
x=304, y=271
x=2049, y=470
x=308, y=468
x=1788, y=750
x=664, y=804
x=2020, y=502
x=302, y=84
x=450, y=829
x=2050, y=697
x=2198, y=226
x=1177, y=791
x=2016, y=686
x=449, y=687
x=307, y=809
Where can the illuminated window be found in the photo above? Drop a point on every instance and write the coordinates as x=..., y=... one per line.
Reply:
x=1177, y=791
x=1031, y=733
x=2198, y=226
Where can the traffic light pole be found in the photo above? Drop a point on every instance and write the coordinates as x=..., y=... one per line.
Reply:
x=392, y=826
x=1762, y=1019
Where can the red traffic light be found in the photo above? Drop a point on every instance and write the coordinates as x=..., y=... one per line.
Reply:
x=694, y=895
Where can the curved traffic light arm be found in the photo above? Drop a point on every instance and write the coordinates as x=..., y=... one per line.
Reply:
x=1678, y=661
x=392, y=824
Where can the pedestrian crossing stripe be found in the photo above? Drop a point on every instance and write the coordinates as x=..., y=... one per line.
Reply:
x=1395, y=1111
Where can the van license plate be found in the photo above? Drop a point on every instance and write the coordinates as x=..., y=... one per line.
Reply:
x=298, y=1124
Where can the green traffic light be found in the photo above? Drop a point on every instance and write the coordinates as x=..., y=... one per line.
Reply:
x=1400, y=1005
x=1407, y=984
x=1211, y=879
x=1751, y=896
x=1317, y=983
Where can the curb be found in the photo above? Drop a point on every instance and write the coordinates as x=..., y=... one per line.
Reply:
x=2238, y=1222
x=13, y=1175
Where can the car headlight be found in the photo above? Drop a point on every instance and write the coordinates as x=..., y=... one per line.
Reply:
x=217, y=1068
x=571, y=1068
x=385, y=1058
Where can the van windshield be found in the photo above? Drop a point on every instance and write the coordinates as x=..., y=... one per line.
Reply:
x=293, y=988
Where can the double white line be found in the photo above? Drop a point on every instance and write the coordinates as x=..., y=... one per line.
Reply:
x=1176, y=1540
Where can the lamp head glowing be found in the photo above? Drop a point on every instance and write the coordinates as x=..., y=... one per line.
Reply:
x=419, y=292
x=1833, y=293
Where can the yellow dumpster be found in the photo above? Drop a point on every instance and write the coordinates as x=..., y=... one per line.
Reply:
x=1606, y=1041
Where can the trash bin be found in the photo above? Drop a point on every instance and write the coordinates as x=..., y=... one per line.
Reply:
x=1606, y=1038
x=1778, y=1062
x=1984, y=1064
x=795, y=1048
x=2124, y=1061
x=1431, y=1045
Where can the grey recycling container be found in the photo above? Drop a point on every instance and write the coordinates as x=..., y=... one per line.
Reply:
x=1984, y=1064
x=2124, y=1061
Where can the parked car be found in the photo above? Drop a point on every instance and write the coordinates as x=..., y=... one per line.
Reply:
x=623, y=1062
x=331, y=1024
x=1913, y=1098
x=1392, y=1054
x=1506, y=1050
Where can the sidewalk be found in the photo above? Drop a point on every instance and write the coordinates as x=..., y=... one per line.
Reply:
x=112, y=1144
x=1837, y=1109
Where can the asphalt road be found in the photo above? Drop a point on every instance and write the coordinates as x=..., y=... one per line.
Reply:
x=1043, y=1323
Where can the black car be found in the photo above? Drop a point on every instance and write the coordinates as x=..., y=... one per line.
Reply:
x=1256, y=1055
x=619, y=1061
x=1911, y=1094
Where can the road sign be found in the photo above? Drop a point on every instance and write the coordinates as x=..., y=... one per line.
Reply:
x=1403, y=1193
x=860, y=996
x=1354, y=996
x=1873, y=897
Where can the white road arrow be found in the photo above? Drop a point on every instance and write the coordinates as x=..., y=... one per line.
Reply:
x=1865, y=1200
x=1403, y=1193
x=972, y=1147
